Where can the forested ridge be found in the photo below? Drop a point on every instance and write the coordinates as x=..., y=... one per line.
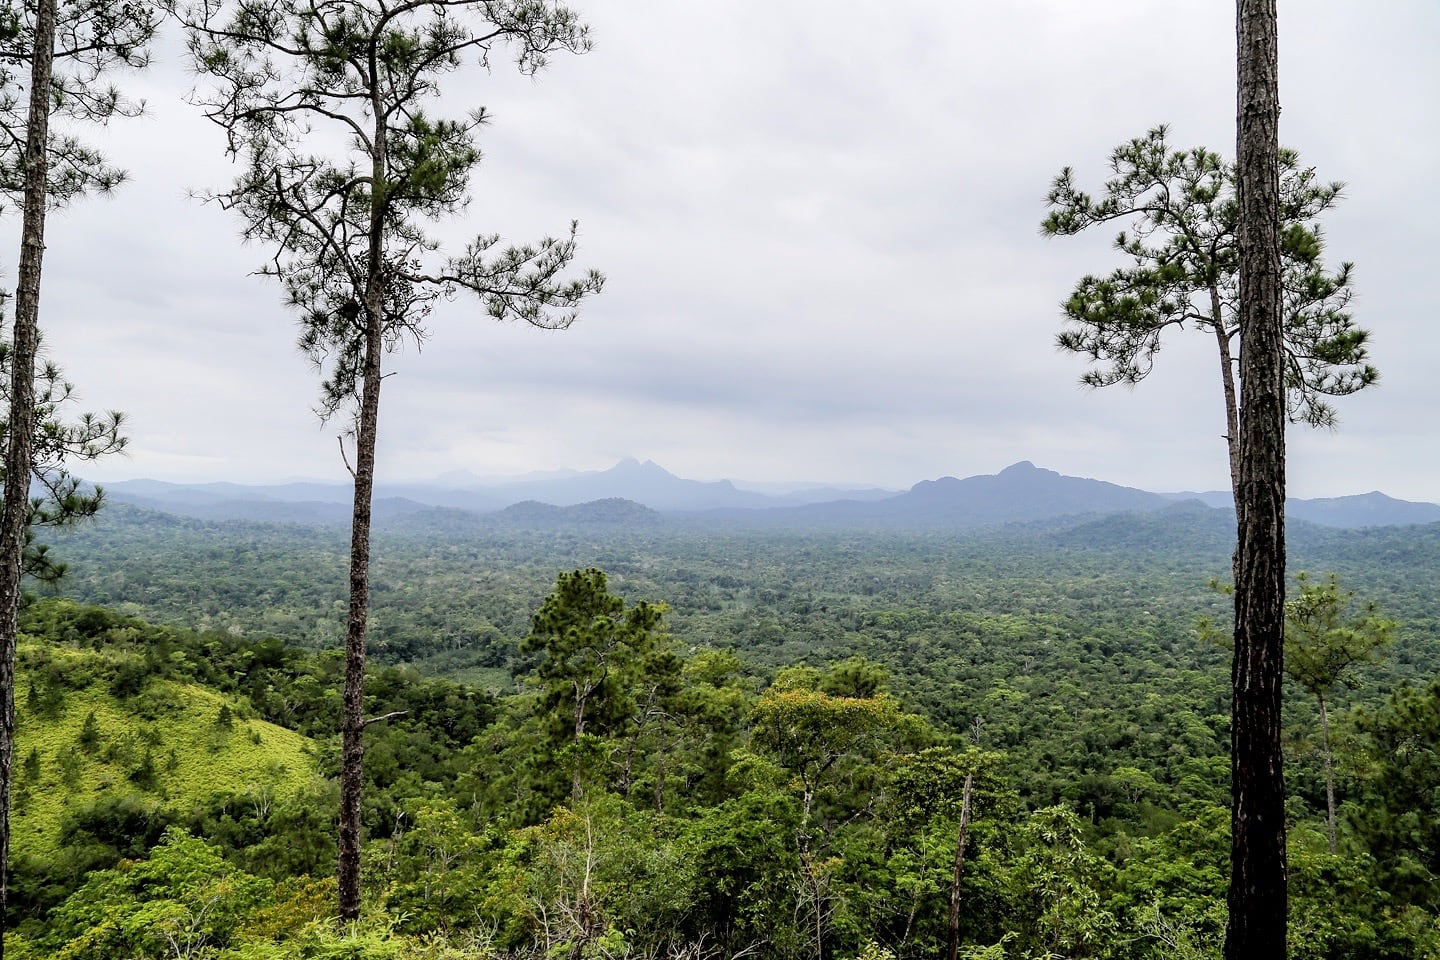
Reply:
x=772, y=760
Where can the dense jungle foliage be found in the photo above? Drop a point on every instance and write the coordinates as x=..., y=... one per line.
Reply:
x=728, y=744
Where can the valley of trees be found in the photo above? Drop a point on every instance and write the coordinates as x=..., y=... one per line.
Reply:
x=743, y=745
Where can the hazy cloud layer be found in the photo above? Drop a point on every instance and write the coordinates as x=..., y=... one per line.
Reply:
x=820, y=231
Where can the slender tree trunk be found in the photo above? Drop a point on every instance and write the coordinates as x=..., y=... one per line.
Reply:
x=1329, y=770
x=352, y=743
x=352, y=747
x=20, y=448
x=953, y=941
x=1257, y=898
x=1232, y=415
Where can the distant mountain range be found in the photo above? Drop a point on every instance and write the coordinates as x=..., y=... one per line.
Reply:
x=1373, y=509
x=634, y=492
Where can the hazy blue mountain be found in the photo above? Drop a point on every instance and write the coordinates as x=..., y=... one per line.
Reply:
x=647, y=483
x=200, y=507
x=1372, y=509
x=160, y=491
x=319, y=502
x=1020, y=493
x=651, y=484
x=1220, y=499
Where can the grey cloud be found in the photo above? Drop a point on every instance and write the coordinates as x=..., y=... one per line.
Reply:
x=821, y=239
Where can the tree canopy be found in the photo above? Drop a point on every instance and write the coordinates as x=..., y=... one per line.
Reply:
x=1179, y=215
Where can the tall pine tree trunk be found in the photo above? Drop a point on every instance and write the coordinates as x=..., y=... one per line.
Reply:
x=352, y=745
x=1257, y=897
x=25, y=339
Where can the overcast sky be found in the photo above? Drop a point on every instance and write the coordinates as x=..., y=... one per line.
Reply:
x=819, y=225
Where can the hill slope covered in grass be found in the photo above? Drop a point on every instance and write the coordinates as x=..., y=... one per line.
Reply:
x=94, y=731
x=127, y=729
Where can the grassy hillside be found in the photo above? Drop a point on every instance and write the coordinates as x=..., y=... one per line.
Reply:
x=93, y=726
x=130, y=731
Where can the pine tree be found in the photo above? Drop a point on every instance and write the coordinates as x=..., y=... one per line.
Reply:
x=1323, y=647
x=1179, y=211
x=292, y=78
x=68, y=50
x=593, y=650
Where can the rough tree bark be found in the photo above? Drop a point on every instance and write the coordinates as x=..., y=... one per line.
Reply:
x=19, y=452
x=352, y=745
x=1257, y=897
